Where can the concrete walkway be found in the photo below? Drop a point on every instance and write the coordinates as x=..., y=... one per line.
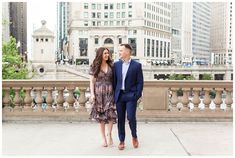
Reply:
x=156, y=139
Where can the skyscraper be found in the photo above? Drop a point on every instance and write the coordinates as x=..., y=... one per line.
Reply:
x=182, y=32
x=18, y=24
x=221, y=33
x=5, y=22
x=191, y=22
x=201, y=24
x=62, y=28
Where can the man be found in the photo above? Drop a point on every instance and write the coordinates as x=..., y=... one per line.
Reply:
x=128, y=86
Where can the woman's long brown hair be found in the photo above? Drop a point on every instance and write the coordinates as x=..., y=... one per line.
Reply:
x=96, y=65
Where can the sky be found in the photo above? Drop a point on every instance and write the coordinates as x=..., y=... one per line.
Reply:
x=37, y=11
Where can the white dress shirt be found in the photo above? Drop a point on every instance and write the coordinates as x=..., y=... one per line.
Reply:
x=125, y=66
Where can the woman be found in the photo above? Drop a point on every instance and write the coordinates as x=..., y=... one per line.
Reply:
x=102, y=95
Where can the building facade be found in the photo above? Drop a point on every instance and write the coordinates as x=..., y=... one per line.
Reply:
x=145, y=26
x=221, y=33
x=62, y=29
x=191, y=22
x=18, y=24
x=182, y=32
x=5, y=22
x=201, y=25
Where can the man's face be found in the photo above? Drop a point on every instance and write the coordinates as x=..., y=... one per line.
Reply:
x=124, y=52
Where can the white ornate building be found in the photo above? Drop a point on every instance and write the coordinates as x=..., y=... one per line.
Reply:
x=43, y=58
x=146, y=26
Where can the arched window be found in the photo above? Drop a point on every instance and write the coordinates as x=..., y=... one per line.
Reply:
x=108, y=41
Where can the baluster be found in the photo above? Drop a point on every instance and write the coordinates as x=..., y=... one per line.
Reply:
x=82, y=99
x=70, y=99
x=17, y=100
x=38, y=98
x=49, y=98
x=218, y=99
x=207, y=99
x=28, y=99
x=185, y=99
x=60, y=99
x=196, y=99
x=228, y=99
x=174, y=99
x=6, y=99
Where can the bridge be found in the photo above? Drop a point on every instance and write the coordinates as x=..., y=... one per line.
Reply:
x=221, y=72
x=180, y=118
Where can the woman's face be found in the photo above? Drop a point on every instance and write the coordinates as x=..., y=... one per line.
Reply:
x=105, y=55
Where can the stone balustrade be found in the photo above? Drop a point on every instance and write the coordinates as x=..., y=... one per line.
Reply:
x=167, y=98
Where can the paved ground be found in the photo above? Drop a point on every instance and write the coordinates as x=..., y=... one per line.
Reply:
x=156, y=139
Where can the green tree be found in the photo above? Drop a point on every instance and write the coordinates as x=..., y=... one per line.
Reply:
x=12, y=65
x=180, y=77
x=206, y=77
x=190, y=77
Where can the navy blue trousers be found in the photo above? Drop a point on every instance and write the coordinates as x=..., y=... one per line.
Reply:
x=126, y=104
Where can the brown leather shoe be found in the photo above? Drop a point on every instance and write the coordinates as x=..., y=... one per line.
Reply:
x=121, y=146
x=135, y=142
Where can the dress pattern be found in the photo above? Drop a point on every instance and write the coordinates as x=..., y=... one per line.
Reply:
x=103, y=109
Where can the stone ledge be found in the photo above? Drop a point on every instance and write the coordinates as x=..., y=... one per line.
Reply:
x=142, y=116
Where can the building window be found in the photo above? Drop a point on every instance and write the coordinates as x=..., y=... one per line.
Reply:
x=106, y=23
x=132, y=42
x=96, y=40
x=145, y=47
x=129, y=22
x=98, y=23
x=46, y=40
x=123, y=5
x=148, y=47
x=93, y=15
x=41, y=51
x=130, y=5
x=85, y=23
x=160, y=49
x=123, y=23
x=105, y=15
x=93, y=23
x=111, y=15
x=93, y=6
x=134, y=32
x=98, y=6
x=85, y=14
x=153, y=43
x=111, y=23
x=130, y=14
x=111, y=6
x=83, y=45
x=37, y=39
x=157, y=48
x=120, y=40
x=108, y=41
x=164, y=49
x=85, y=5
x=41, y=39
x=123, y=14
x=118, y=14
x=106, y=6
x=168, y=50
x=98, y=15
x=118, y=6
x=118, y=23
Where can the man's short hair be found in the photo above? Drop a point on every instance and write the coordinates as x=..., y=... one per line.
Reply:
x=127, y=46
